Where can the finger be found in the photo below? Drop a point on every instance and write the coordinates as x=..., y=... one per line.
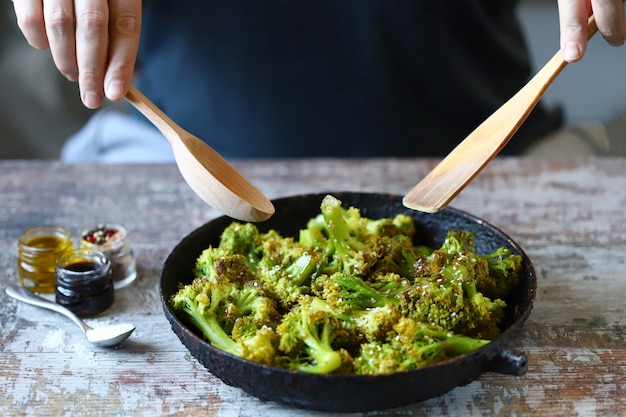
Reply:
x=60, y=30
x=92, y=43
x=609, y=15
x=124, y=30
x=30, y=20
x=573, y=18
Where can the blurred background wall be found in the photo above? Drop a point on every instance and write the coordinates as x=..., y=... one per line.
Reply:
x=39, y=109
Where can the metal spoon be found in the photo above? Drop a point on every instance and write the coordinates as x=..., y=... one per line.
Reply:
x=208, y=174
x=102, y=336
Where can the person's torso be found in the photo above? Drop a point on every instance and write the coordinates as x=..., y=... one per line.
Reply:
x=279, y=78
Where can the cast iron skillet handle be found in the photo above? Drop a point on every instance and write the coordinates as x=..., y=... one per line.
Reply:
x=510, y=363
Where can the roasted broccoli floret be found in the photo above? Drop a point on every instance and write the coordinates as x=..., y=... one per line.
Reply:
x=399, y=225
x=341, y=235
x=306, y=336
x=412, y=345
x=286, y=268
x=350, y=292
x=251, y=300
x=258, y=344
x=243, y=239
x=400, y=256
x=205, y=303
x=215, y=262
x=504, y=273
x=369, y=312
x=214, y=306
x=447, y=293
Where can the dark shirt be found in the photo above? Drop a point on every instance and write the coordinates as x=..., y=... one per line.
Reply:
x=336, y=78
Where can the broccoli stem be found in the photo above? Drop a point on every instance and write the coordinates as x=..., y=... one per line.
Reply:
x=339, y=231
x=325, y=359
x=448, y=344
x=302, y=269
x=211, y=329
x=362, y=295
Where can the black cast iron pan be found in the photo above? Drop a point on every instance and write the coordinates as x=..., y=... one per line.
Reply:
x=354, y=393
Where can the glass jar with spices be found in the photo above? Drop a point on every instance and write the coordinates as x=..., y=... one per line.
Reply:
x=38, y=250
x=84, y=282
x=114, y=241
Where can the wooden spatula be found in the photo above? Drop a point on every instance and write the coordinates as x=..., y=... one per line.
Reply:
x=469, y=157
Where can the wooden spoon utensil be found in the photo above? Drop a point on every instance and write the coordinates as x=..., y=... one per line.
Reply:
x=208, y=174
x=469, y=157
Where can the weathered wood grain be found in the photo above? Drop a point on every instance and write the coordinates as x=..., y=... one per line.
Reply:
x=569, y=215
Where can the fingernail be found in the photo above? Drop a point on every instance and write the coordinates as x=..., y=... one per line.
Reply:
x=115, y=90
x=92, y=99
x=571, y=52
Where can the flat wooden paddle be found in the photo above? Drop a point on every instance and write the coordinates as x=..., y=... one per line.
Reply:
x=208, y=174
x=469, y=157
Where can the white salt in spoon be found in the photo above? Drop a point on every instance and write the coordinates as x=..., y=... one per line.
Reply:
x=102, y=336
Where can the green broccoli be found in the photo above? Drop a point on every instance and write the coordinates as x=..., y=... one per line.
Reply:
x=448, y=295
x=205, y=303
x=258, y=344
x=504, y=273
x=251, y=300
x=412, y=345
x=400, y=256
x=216, y=262
x=243, y=239
x=351, y=292
x=399, y=225
x=350, y=295
x=215, y=305
x=341, y=235
x=286, y=269
x=368, y=311
x=350, y=248
x=306, y=336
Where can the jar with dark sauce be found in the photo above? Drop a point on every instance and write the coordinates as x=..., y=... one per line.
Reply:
x=84, y=282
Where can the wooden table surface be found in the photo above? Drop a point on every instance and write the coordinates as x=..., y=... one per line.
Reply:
x=569, y=215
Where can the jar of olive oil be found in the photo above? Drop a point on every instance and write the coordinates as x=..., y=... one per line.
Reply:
x=38, y=250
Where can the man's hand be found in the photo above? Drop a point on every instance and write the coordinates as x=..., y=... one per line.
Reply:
x=93, y=42
x=573, y=16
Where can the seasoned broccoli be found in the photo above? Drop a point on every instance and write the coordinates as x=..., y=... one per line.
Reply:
x=215, y=262
x=251, y=300
x=286, y=269
x=243, y=239
x=412, y=345
x=369, y=311
x=447, y=295
x=400, y=256
x=504, y=273
x=215, y=307
x=341, y=234
x=258, y=344
x=349, y=295
x=399, y=225
x=306, y=335
x=350, y=292
x=205, y=303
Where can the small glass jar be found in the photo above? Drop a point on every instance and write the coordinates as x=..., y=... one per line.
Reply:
x=114, y=241
x=38, y=250
x=84, y=282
